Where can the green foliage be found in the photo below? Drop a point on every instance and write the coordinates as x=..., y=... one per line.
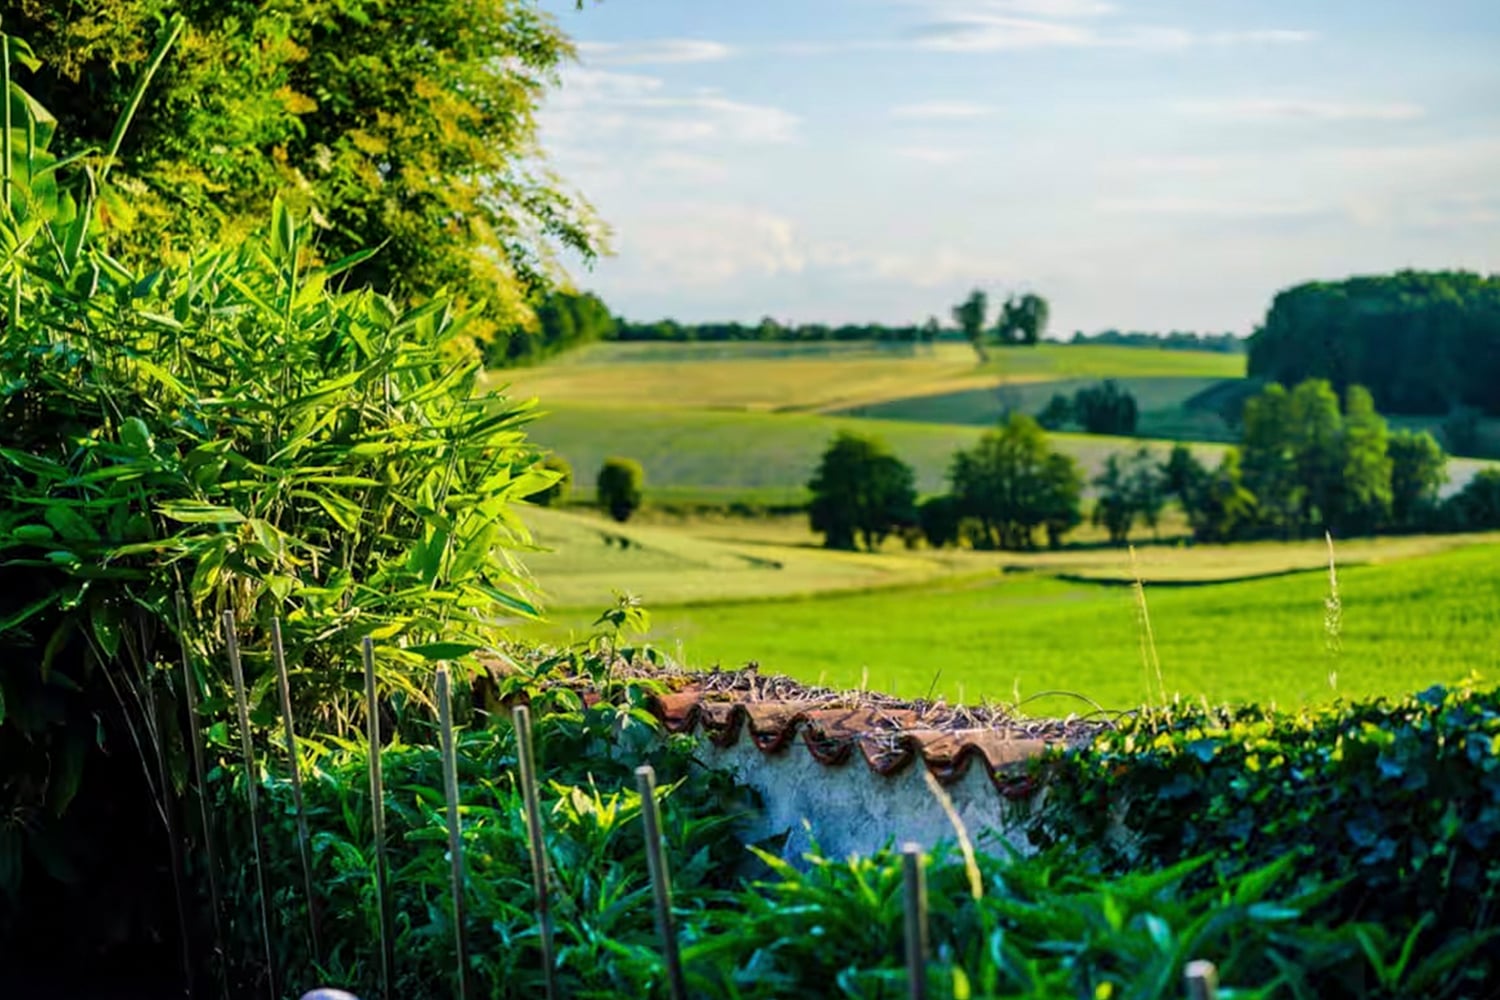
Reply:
x=1418, y=471
x=1011, y=483
x=556, y=494
x=970, y=316
x=860, y=491
x=564, y=320
x=1477, y=506
x=1135, y=487
x=409, y=127
x=1390, y=803
x=1106, y=408
x=238, y=430
x=939, y=520
x=1421, y=342
x=618, y=486
x=1023, y=319
x=1057, y=414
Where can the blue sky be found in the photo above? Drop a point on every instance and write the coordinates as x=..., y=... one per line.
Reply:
x=1144, y=164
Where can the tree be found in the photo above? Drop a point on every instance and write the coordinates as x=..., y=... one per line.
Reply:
x=930, y=332
x=1129, y=488
x=1061, y=499
x=1057, y=414
x=939, y=520
x=409, y=127
x=1315, y=442
x=1009, y=484
x=556, y=494
x=619, y=487
x=1477, y=506
x=1267, y=457
x=860, y=490
x=1023, y=320
x=1226, y=506
x=1418, y=471
x=1362, y=495
x=1106, y=408
x=969, y=315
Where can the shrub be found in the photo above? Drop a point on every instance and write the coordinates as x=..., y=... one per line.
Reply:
x=619, y=487
x=1057, y=414
x=1105, y=409
x=555, y=494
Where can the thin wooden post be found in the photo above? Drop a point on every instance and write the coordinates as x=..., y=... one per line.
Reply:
x=304, y=838
x=252, y=791
x=168, y=807
x=661, y=886
x=455, y=833
x=195, y=732
x=915, y=880
x=377, y=822
x=526, y=761
x=1202, y=980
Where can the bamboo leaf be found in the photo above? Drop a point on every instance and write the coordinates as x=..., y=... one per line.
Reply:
x=196, y=512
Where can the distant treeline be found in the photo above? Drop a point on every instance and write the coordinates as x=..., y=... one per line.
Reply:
x=1177, y=340
x=1421, y=342
x=771, y=330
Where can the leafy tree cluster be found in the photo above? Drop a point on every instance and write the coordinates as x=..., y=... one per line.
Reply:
x=1005, y=490
x=619, y=485
x=1420, y=342
x=1177, y=340
x=1106, y=408
x=410, y=127
x=1022, y=320
x=564, y=320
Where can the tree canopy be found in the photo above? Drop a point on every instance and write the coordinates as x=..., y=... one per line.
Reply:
x=1011, y=483
x=1421, y=342
x=860, y=491
x=405, y=126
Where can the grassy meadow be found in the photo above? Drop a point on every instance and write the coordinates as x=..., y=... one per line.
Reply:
x=1405, y=624
x=721, y=424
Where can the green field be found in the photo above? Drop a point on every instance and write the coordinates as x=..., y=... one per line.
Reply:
x=1405, y=624
x=819, y=377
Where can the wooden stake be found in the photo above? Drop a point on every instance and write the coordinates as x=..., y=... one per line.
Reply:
x=304, y=839
x=661, y=886
x=455, y=833
x=1202, y=980
x=195, y=732
x=377, y=821
x=525, y=758
x=252, y=791
x=916, y=921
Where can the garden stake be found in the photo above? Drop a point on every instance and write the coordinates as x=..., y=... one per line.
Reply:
x=190, y=693
x=252, y=783
x=455, y=836
x=916, y=921
x=304, y=839
x=661, y=886
x=377, y=821
x=521, y=719
x=174, y=837
x=1202, y=980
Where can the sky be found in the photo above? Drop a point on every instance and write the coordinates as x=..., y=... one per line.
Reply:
x=1142, y=164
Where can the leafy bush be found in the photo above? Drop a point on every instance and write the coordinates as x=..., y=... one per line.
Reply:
x=860, y=491
x=1393, y=804
x=556, y=494
x=1106, y=408
x=619, y=487
x=239, y=431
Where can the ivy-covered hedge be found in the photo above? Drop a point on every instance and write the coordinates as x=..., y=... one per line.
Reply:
x=1395, y=802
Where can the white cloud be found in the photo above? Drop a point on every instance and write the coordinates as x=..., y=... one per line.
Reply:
x=1295, y=109
x=689, y=243
x=1174, y=205
x=932, y=110
x=656, y=51
x=595, y=104
x=936, y=156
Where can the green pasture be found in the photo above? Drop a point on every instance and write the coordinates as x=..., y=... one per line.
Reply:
x=1405, y=624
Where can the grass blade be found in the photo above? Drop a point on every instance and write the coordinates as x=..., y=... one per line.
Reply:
x=377, y=822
